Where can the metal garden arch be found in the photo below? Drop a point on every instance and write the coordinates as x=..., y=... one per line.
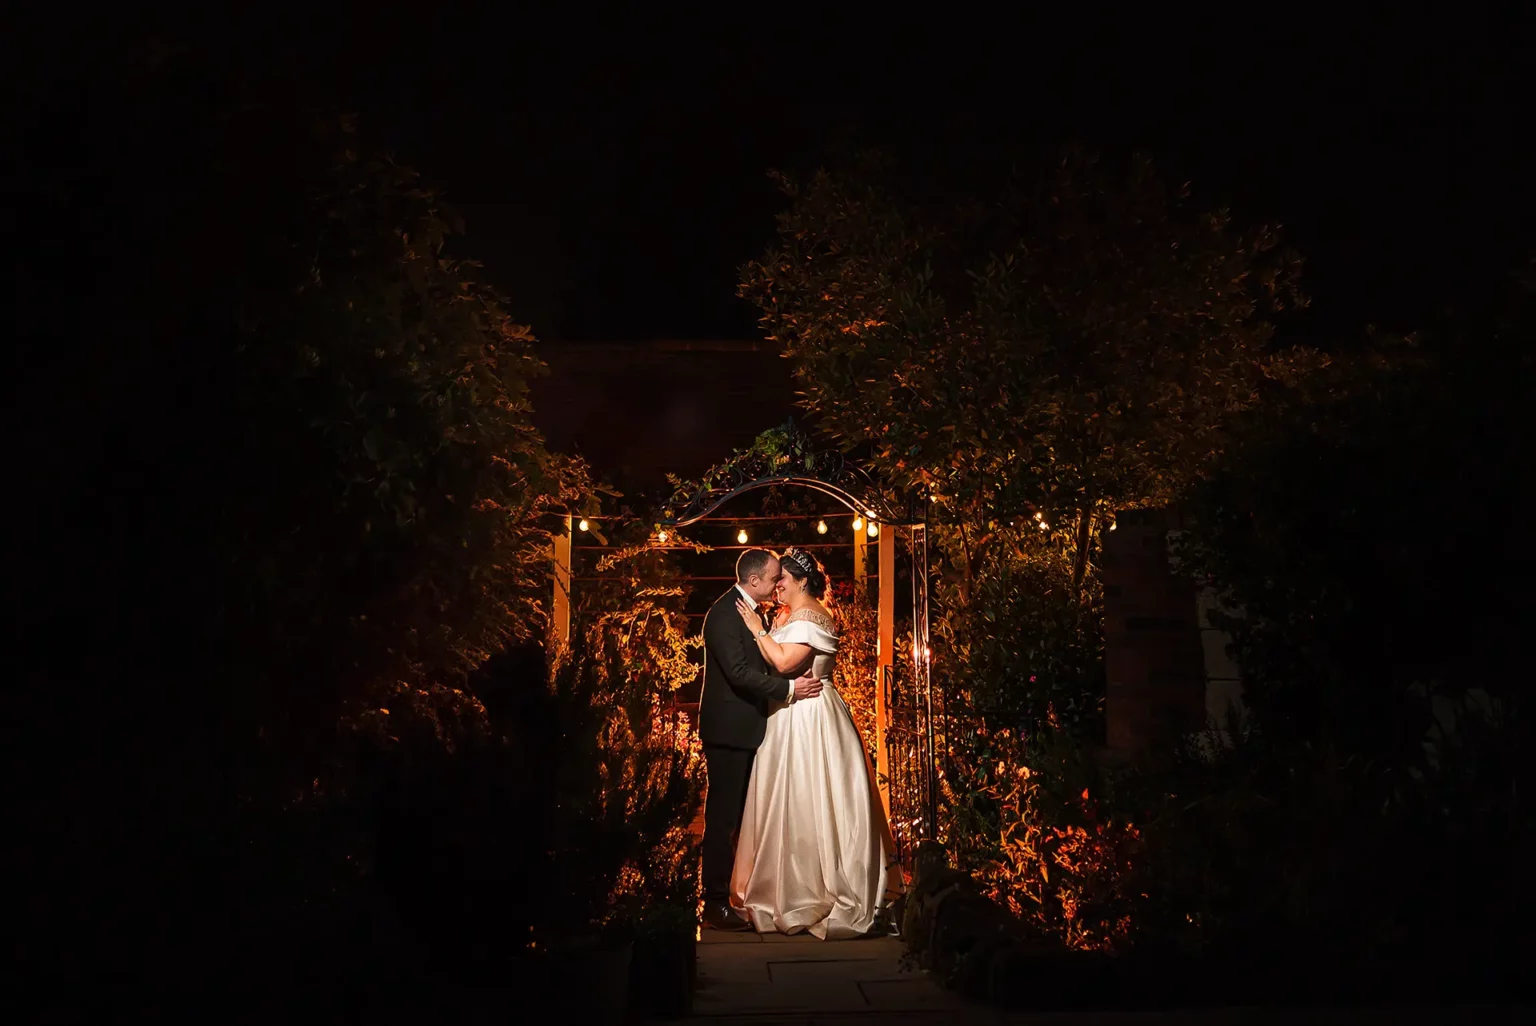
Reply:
x=906, y=762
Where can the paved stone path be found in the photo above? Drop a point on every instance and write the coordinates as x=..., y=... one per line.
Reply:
x=752, y=974
x=773, y=980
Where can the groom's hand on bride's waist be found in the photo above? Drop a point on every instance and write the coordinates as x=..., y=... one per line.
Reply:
x=805, y=687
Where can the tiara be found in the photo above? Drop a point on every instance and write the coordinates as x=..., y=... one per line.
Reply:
x=801, y=559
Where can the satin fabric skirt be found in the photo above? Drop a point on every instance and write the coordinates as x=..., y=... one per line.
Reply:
x=814, y=844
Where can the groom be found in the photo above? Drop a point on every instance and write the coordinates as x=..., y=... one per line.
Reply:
x=733, y=713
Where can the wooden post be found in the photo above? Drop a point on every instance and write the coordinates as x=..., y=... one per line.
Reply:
x=861, y=560
x=885, y=659
x=560, y=605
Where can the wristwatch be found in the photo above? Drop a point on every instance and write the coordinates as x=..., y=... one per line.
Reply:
x=763, y=633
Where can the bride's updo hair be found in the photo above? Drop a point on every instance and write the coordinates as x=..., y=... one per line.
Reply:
x=806, y=569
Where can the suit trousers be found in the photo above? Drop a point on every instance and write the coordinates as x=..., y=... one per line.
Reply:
x=730, y=770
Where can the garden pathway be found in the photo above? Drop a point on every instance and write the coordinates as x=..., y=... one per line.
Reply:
x=747, y=974
x=773, y=980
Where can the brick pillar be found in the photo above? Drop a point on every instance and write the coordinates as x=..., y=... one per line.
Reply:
x=1153, y=660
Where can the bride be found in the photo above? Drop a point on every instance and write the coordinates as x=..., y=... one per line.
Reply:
x=814, y=847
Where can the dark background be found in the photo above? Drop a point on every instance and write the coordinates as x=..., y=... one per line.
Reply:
x=1393, y=150
x=611, y=190
x=613, y=177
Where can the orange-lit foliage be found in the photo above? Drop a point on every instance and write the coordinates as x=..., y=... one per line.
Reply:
x=649, y=760
x=859, y=629
x=1058, y=862
x=447, y=715
x=666, y=867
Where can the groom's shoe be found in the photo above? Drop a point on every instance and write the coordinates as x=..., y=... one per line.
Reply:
x=718, y=915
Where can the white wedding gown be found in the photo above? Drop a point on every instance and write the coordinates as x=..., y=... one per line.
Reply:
x=814, y=844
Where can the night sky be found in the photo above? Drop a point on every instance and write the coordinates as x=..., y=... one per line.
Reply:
x=614, y=194
x=612, y=183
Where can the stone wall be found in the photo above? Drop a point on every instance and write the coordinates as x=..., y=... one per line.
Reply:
x=1223, y=678
x=641, y=410
x=1165, y=666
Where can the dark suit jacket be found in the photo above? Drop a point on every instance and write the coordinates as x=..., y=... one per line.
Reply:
x=738, y=684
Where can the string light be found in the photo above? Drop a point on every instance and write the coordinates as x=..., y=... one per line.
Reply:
x=661, y=536
x=1039, y=516
x=874, y=529
x=821, y=527
x=741, y=536
x=583, y=525
x=858, y=522
x=1113, y=525
x=1044, y=526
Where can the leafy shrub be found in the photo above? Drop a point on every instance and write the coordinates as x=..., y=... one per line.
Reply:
x=1028, y=820
x=1021, y=645
x=859, y=631
x=633, y=624
x=310, y=425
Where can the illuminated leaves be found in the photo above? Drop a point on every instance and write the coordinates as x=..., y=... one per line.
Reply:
x=1060, y=866
x=1078, y=345
x=859, y=626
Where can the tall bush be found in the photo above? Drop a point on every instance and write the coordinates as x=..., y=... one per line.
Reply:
x=1366, y=543
x=304, y=486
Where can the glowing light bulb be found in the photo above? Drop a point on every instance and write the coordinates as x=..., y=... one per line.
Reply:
x=1044, y=526
x=1039, y=516
x=661, y=536
x=583, y=525
x=1113, y=525
x=874, y=529
x=741, y=537
x=821, y=527
x=858, y=523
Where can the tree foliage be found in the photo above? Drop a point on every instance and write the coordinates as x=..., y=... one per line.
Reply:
x=1368, y=545
x=327, y=415
x=416, y=481
x=1074, y=345
x=1022, y=645
x=1362, y=543
x=279, y=469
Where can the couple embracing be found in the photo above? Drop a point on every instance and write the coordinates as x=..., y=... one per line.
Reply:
x=788, y=773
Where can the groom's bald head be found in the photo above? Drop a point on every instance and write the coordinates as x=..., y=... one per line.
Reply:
x=757, y=572
x=754, y=562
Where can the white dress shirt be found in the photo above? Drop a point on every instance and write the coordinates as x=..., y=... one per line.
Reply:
x=753, y=604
